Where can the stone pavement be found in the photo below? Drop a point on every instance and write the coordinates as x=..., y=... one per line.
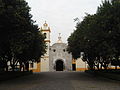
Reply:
x=60, y=81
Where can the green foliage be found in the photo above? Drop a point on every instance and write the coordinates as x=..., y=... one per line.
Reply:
x=98, y=36
x=20, y=40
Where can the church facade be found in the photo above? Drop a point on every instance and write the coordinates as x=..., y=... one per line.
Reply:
x=56, y=58
x=60, y=59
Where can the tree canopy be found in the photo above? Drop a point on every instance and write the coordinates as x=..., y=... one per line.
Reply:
x=98, y=36
x=20, y=39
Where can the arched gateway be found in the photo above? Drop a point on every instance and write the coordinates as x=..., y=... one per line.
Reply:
x=59, y=65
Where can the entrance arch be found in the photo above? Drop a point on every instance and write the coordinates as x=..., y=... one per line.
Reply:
x=59, y=65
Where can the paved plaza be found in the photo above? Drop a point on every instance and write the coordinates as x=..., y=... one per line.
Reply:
x=60, y=81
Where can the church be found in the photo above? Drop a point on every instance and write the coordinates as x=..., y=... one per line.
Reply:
x=56, y=57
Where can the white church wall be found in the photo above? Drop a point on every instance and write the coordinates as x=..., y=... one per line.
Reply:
x=80, y=65
x=57, y=53
x=45, y=65
x=45, y=59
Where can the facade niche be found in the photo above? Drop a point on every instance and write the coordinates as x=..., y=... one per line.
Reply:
x=54, y=50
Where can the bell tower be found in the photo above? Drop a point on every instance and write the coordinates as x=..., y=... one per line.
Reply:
x=45, y=29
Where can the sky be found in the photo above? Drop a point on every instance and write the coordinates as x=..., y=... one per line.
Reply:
x=60, y=14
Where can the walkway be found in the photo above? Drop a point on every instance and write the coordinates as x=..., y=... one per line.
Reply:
x=60, y=81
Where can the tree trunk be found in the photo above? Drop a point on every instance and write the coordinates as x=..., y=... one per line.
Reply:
x=7, y=68
x=115, y=67
x=20, y=66
x=101, y=66
x=23, y=67
x=98, y=66
x=27, y=66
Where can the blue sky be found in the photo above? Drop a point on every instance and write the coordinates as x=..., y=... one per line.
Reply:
x=60, y=14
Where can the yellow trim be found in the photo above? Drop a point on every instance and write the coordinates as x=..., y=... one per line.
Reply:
x=45, y=30
x=38, y=68
x=45, y=57
x=73, y=61
x=47, y=41
x=81, y=69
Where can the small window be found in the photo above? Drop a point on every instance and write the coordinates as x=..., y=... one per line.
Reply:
x=54, y=50
x=63, y=50
x=45, y=35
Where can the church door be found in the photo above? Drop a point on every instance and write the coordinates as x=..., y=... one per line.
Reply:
x=59, y=65
x=74, y=67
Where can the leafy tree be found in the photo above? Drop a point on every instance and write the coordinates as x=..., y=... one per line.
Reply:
x=20, y=40
x=98, y=36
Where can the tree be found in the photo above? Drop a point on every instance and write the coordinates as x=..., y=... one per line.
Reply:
x=98, y=36
x=20, y=40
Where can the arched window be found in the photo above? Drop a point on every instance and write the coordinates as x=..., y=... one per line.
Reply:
x=45, y=35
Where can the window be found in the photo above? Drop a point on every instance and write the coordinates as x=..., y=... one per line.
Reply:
x=63, y=50
x=45, y=35
x=54, y=50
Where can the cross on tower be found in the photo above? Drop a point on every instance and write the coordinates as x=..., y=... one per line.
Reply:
x=59, y=38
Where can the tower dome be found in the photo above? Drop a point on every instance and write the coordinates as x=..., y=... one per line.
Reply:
x=45, y=24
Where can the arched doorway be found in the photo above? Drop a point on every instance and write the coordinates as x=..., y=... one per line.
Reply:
x=59, y=65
